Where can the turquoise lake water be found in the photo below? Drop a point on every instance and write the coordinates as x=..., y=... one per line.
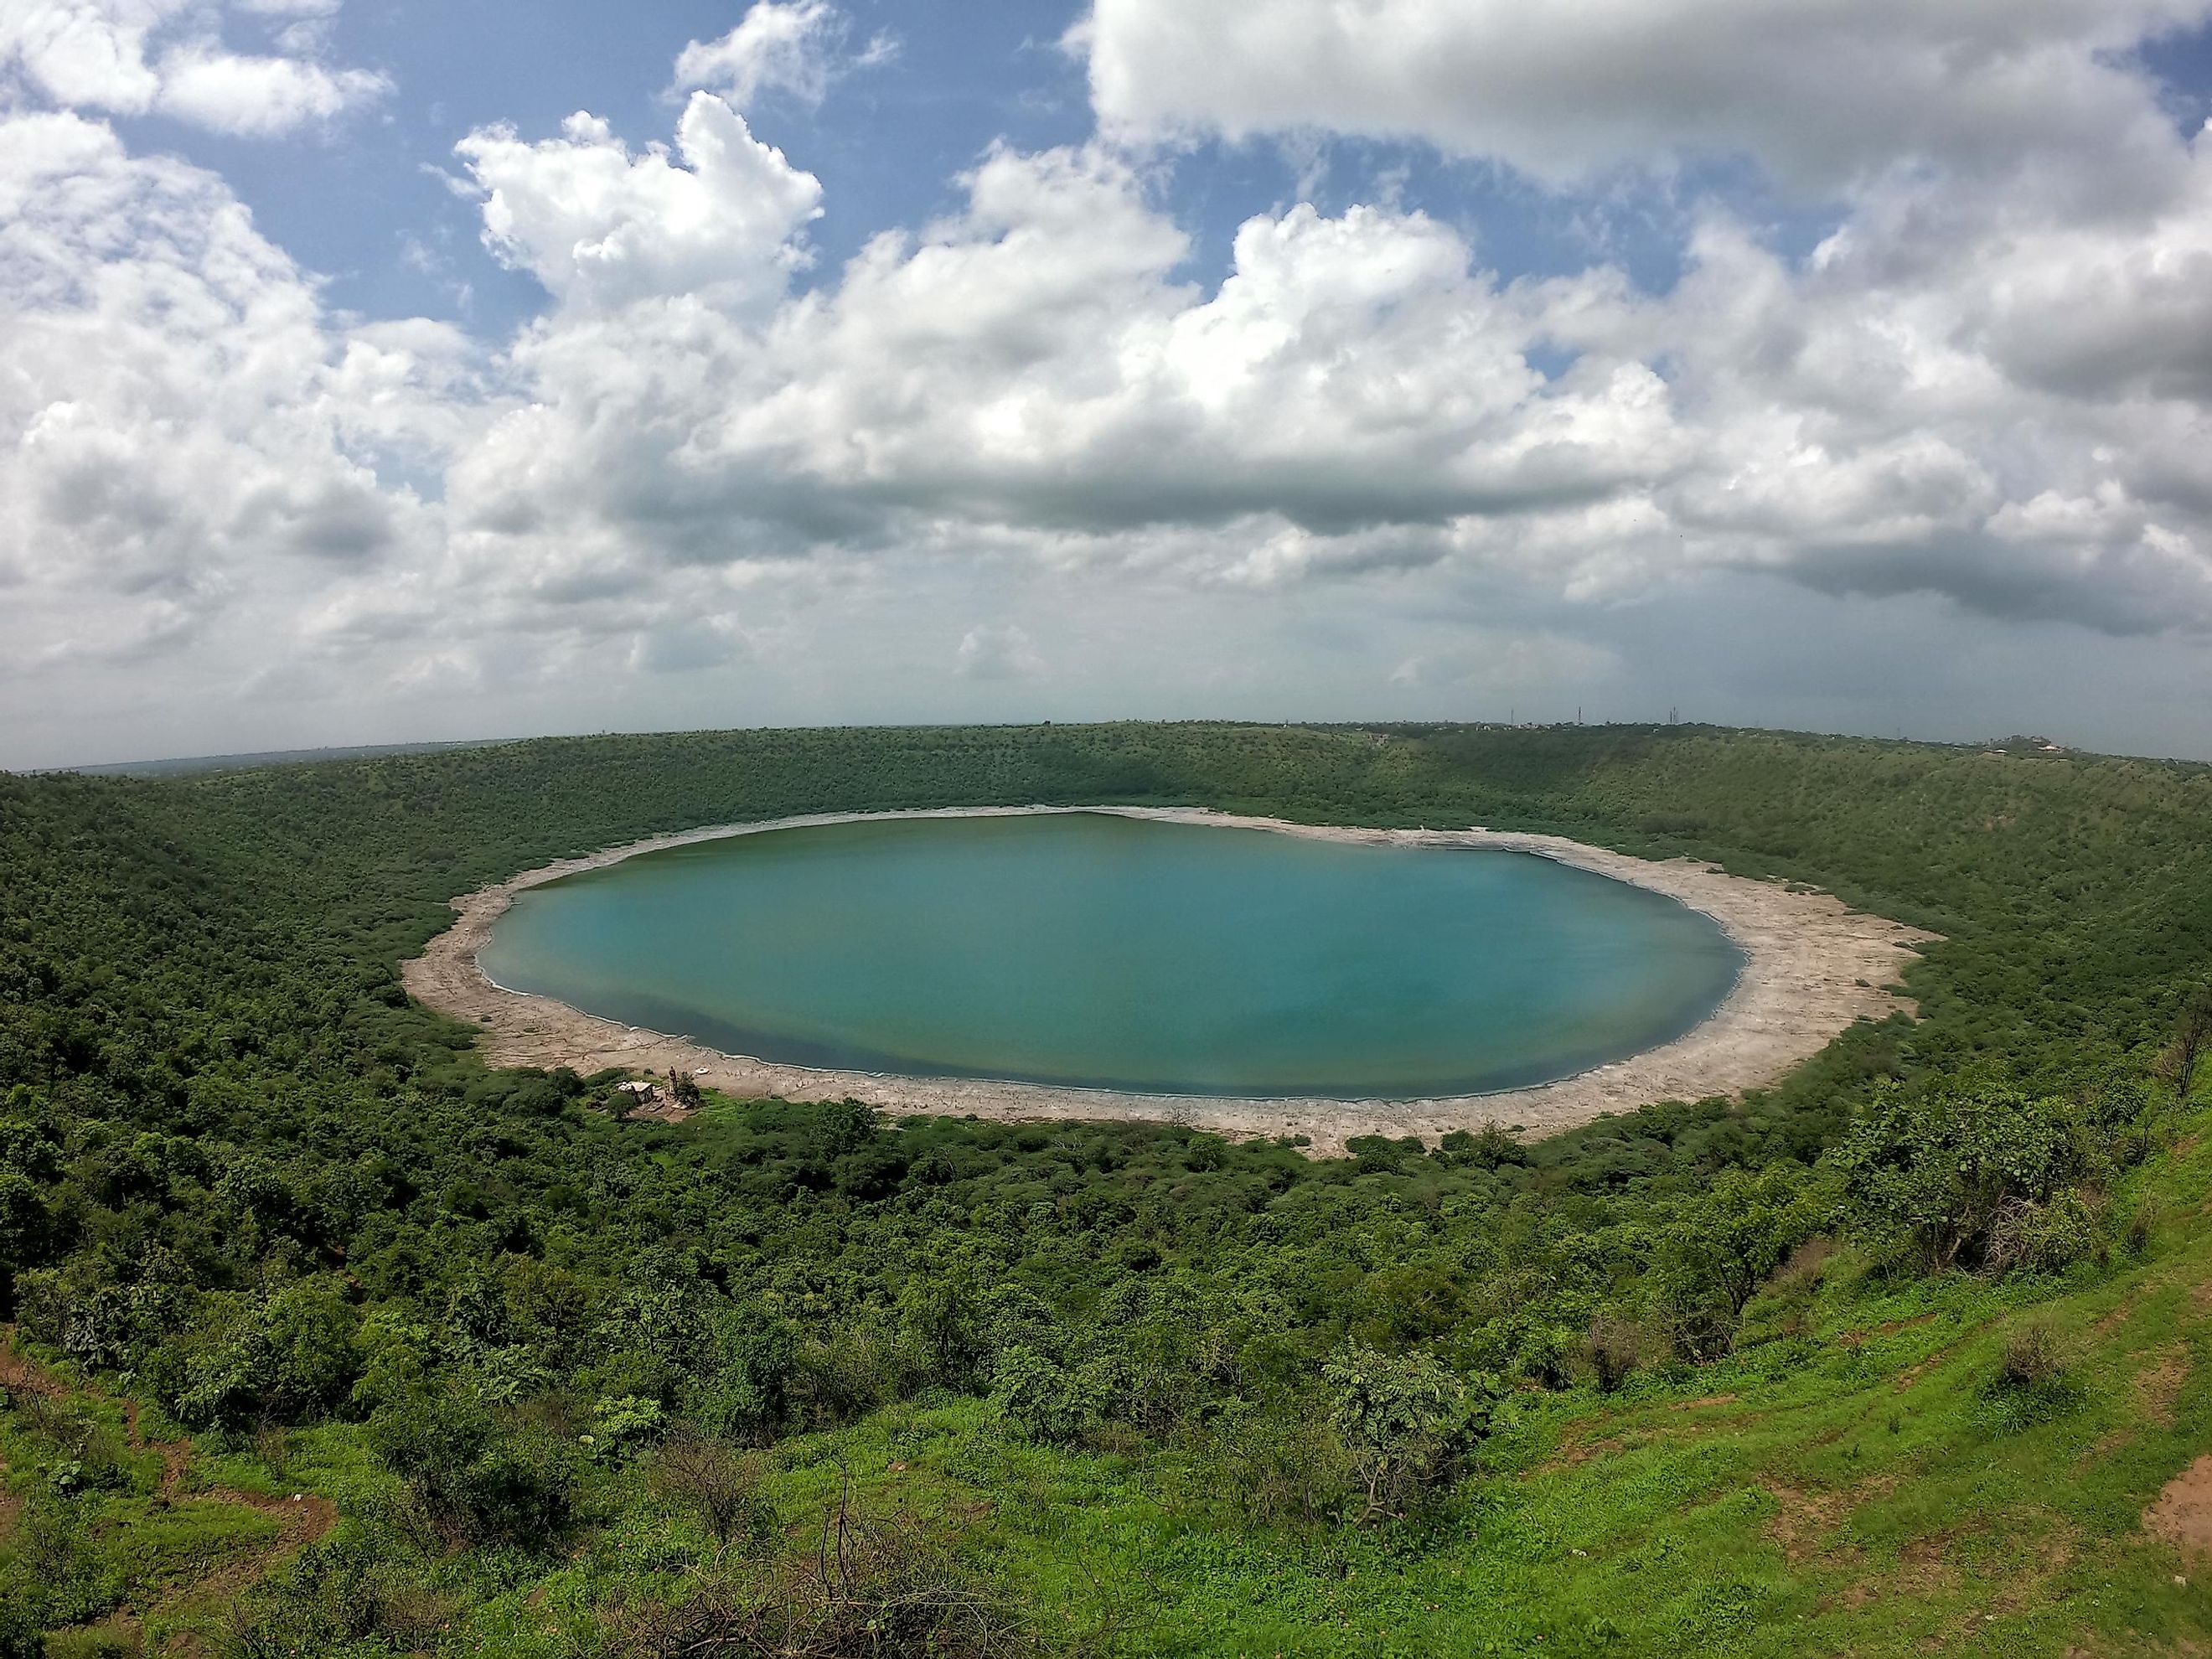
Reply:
x=1088, y=949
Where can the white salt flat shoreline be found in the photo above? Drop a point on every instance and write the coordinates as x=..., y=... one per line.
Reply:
x=1812, y=966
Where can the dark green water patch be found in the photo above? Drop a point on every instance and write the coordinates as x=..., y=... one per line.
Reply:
x=1103, y=951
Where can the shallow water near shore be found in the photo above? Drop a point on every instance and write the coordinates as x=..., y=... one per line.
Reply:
x=1093, y=950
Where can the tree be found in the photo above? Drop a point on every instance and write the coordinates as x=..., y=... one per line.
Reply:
x=1725, y=1243
x=846, y=1126
x=2192, y=1039
x=941, y=1325
x=25, y=1230
x=1936, y=1169
x=1406, y=1421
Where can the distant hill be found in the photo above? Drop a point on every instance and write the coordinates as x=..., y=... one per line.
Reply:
x=185, y=764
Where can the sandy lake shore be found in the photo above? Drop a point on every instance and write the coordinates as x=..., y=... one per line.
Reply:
x=1812, y=966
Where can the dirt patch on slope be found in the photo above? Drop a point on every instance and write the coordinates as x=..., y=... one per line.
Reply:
x=1804, y=1522
x=1807, y=1519
x=2182, y=1516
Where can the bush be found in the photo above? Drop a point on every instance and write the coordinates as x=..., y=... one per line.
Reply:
x=1281, y=1466
x=1382, y=1155
x=940, y=1328
x=362, y=1595
x=519, y=1490
x=2033, y=1357
x=843, y=1375
x=2032, y=1385
x=718, y=1483
x=478, y=1478
x=862, y=1583
x=2143, y=1223
x=1204, y=1152
x=1614, y=1349
x=1046, y=1401
x=2030, y=1238
x=287, y=1356
x=1406, y=1423
x=1492, y=1149
x=1935, y=1172
x=22, y=1630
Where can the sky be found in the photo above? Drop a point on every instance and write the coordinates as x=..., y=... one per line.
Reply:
x=376, y=370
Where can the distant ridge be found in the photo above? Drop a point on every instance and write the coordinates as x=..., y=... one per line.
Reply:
x=162, y=768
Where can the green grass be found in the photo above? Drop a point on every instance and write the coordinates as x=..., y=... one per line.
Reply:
x=123, y=1546
x=1864, y=1486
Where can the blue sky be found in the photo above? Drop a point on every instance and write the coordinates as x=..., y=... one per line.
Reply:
x=888, y=143
x=1841, y=365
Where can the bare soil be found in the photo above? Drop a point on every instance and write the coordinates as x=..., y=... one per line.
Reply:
x=2182, y=1516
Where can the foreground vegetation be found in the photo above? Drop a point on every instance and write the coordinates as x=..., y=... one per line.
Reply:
x=329, y=1341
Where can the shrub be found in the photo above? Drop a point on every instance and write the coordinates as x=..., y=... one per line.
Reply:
x=21, y=1627
x=1382, y=1155
x=1281, y=1466
x=478, y=1478
x=881, y=1584
x=620, y=1422
x=1933, y=1172
x=715, y=1481
x=1136, y=1256
x=1204, y=1152
x=753, y=1371
x=2031, y=1237
x=1614, y=1349
x=1046, y=1401
x=343, y=1591
x=1492, y=1149
x=2032, y=1384
x=286, y=1356
x=2033, y=1357
x=2143, y=1222
x=843, y=1375
x=940, y=1328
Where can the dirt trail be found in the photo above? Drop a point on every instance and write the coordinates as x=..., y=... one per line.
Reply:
x=303, y=1517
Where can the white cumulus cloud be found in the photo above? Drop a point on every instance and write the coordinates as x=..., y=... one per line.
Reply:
x=599, y=226
x=796, y=46
x=170, y=58
x=176, y=452
x=1354, y=461
x=997, y=652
